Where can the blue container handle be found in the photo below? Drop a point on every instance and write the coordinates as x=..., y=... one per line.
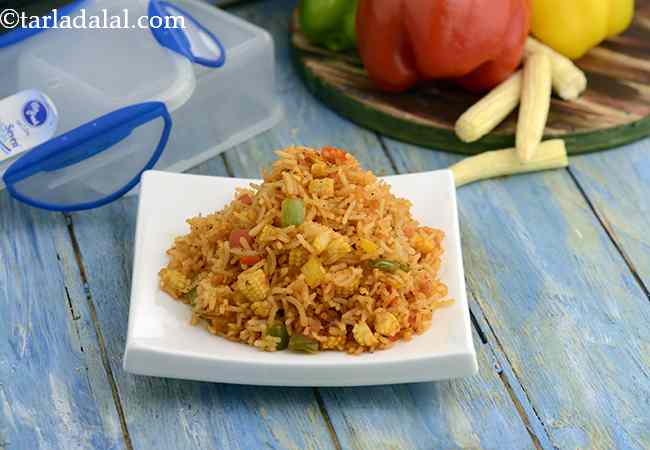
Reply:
x=85, y=142
x=175, y=38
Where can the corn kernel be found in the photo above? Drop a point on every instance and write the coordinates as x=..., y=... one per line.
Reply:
x=312, y=229
x=334, y=343
x=347, y=282
x=423, y=245
x=347, y=291
x=368, y=246
x=323, y=187
x=254, y=285
x=319, y=170
x=297, y=257
x=338, y=248
x=363, y=335
x=261, y=309
x=267, y=234
x=174, y=282
x=314, y=272
x=321, y=241
x=386, y=324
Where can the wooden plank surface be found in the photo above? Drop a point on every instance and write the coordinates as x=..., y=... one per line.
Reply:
x=482, y=409
x=618, y=187
x=471, y=413
x=53, y=388
x=561, y=322
x=174, y=414
x=567, y=312
x=476, y=412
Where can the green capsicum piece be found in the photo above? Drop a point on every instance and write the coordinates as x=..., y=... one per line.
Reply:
x=329, y=23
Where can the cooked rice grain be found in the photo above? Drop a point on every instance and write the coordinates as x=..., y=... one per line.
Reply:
x=353, y=308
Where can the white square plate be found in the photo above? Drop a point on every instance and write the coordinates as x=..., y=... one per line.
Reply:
x=161, y=342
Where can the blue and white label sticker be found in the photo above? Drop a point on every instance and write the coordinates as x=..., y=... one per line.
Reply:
x=35, y=113
x=27, y=119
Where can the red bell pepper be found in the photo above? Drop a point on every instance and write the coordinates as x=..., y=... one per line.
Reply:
x=476, y=43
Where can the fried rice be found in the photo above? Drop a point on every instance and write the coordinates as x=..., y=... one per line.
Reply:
x=319, y=256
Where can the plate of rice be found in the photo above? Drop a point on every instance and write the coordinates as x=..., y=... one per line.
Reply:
x=320, y=274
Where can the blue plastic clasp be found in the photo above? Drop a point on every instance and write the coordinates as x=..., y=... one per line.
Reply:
x=186, y=41
x=83, y=143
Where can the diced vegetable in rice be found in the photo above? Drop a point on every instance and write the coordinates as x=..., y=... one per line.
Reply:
x=320, y=256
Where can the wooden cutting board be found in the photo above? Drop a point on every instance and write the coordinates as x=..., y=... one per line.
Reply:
x=613, y=111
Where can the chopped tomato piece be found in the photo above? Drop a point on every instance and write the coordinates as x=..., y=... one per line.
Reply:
x=246, y=199
x=334, y=155
x=409, y=230
x=217, y=279
x=236, y=236
x=250, y=260
x=390, y=302
x=335, y=176
x=424, y=285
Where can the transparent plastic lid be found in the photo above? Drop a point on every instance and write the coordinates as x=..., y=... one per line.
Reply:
x=93, y=164
x=114, y=90
x=113, y=67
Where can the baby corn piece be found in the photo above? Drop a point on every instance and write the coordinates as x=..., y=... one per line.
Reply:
x=323, y=187
x=550, y=155
x=350, y=282
x=363, y=335
x=267, y=234
x=314, y=272
x=254, y=285
x=386, y=323
x=568, y=80
x=319, y=170
x=321, y=241
x=297, y=257
x=337, y=249
x=487, y=113
x=535, y=103
x=422, y=244
x=368, y=246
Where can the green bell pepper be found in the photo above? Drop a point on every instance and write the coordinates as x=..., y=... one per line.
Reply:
x=329, y=23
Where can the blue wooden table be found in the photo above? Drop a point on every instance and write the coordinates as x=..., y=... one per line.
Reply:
x=558, y=269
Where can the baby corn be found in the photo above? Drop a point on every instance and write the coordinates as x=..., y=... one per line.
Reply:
x=535, y=103
x=322, y=187
x=568, y=80
x=368, y=246
x=297, y=257
x=321, y=241
x=487, y=113
x=254, y=285
x=337, y=249
x=314, y=272
x=550, y=155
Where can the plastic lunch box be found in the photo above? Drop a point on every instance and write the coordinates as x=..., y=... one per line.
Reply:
x=132, y=99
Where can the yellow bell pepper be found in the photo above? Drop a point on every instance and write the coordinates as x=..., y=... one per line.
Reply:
x=572, y=27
